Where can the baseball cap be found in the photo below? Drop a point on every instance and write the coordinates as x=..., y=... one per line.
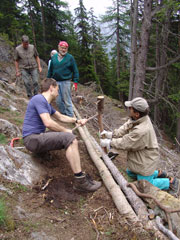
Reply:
x=140, y=104
x=63, y=44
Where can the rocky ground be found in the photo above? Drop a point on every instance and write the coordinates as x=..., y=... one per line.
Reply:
x=56, y=211
x=52, y=210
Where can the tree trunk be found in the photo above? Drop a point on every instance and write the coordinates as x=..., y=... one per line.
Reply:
x=162, y=73
x=178, y=120
x=156, y=108
x=143, y=49
x=43, y=26
x=134, y=18
x=118, y=48
x=32, y=23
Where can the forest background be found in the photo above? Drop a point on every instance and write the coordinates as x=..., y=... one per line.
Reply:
x=138, y=56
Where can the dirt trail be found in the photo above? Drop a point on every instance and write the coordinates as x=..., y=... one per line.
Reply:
x=57, y=211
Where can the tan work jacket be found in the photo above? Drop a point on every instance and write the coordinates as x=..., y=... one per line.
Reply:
x=26, y=57
x=139, y=139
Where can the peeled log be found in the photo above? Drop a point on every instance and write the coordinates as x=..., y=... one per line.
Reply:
x=137, y=204
x=116, y=192
x=118, y=197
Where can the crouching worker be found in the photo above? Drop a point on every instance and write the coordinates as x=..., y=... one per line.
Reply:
x=37, y=140
x=138, y=137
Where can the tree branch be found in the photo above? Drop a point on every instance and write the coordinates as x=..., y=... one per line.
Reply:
x=164, y=66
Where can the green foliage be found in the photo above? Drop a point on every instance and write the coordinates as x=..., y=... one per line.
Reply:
x=5, y=37
x=3, y=214
x=2, y=110
x=6, y=220
x=3, y=139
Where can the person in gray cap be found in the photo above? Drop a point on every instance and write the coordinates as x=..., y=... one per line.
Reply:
x=138, y=137
x=27, y=64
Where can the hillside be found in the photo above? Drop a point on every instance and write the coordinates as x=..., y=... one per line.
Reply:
x=49, y=208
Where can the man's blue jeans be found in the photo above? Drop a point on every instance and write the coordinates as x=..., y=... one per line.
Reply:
x=27, y=75
x=64, y=101
x=162, y=183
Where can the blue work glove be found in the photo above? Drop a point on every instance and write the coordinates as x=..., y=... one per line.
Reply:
x=106, y=134
x=105, y=143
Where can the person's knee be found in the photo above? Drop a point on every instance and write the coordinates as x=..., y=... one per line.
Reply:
x=75, y=142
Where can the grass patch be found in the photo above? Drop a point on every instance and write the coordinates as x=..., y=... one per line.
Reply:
x=30, y=226
x=3, y=110
x=18, y=121
x=18, y=187
x=6, y=220
x=3, y=139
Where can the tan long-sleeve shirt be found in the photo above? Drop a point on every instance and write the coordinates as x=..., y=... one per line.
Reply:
x=139, y=139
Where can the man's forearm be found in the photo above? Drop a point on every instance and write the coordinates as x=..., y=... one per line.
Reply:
x=63, y=118
x=17, y=66
x=38, y=61
x=54, y=126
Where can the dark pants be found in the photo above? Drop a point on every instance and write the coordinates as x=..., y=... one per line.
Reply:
x=27, y=75
x=48, y=141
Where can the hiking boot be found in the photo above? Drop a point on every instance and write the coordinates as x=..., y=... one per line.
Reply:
x=174, y=187
x=162, y=174
x=85, y=183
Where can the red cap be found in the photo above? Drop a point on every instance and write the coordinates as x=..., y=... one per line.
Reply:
x=63, y=44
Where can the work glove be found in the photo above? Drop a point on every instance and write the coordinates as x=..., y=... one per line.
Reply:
x=75, y=86
x=106, y=134
x=105, y=143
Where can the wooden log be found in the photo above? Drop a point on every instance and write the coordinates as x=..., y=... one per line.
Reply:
x=136, y=202
x=150, y=225
x=118, y=197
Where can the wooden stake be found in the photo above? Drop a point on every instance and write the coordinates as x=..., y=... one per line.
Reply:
x=100, y=109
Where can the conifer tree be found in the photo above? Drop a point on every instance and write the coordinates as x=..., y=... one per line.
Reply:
x=85, y=62
x=117, y=19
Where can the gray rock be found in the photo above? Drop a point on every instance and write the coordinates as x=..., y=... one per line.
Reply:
x=2, y=188
x=9, y=129
x=20, y=167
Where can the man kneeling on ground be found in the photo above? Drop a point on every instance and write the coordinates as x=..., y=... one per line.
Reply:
x=138, y=137
x=38, y=118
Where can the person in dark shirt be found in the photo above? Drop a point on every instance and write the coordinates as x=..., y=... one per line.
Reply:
x=36, y=139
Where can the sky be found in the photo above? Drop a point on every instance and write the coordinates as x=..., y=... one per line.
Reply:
x=98, y=5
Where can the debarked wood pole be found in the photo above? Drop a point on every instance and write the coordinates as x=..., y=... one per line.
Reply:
x=100, y=109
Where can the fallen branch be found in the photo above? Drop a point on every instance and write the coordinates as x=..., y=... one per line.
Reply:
x=165, y=230
x=165, y=209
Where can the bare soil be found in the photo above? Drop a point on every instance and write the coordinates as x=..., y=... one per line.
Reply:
x=56, y=211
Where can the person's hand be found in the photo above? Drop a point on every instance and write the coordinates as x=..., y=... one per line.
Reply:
x=106, y=134
x=74, y=86
x=18, y=73
x=40, y=69
x=105, y=143
x=82, y=121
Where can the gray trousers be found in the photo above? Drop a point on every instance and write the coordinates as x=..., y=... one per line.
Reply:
x=27, y=75
x=48, y=141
